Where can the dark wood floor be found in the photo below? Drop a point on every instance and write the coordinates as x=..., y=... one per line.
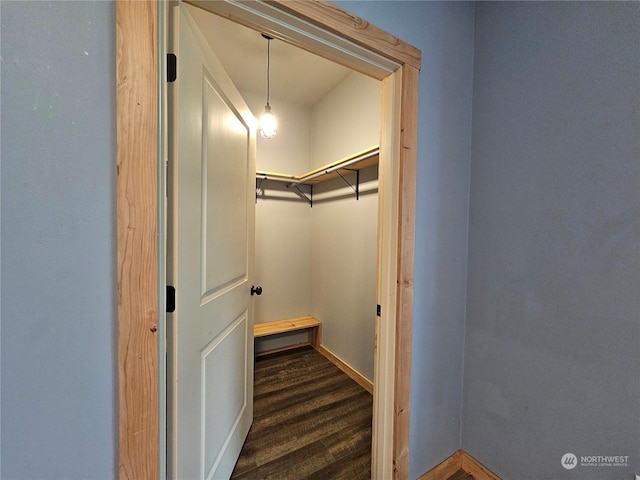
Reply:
x=311, y=421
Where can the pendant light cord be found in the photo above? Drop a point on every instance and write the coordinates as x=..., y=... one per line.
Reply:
x=268, y=121
x=268, y=67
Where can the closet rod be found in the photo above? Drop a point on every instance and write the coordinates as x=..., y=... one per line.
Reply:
x=281, y=177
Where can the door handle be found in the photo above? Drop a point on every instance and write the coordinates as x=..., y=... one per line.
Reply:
x=256, y=290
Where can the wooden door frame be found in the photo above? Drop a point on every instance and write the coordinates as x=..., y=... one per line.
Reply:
x=140, y=137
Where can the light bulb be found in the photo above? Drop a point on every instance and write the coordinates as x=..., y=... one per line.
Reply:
x=268, y=123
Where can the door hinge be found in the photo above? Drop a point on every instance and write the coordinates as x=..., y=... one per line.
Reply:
x=171, y=299
x=378, y=310
x=172, y=67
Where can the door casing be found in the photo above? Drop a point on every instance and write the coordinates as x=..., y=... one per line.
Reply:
x=331, y=32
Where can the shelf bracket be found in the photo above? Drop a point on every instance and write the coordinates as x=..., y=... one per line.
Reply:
x=259, y=187
x=301, y=194
x=357, y=186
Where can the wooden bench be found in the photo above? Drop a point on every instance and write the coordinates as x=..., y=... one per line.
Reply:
x=309, y=323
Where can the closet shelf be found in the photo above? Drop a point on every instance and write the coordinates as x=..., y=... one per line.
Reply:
x=359, y=161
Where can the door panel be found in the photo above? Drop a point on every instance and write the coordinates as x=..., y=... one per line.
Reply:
x=224, y=185
x=211, y=228
x=226, y=353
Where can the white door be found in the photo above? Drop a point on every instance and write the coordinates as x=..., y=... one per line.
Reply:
x=211, y=228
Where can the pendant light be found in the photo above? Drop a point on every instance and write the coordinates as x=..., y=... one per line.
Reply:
x=268, y=121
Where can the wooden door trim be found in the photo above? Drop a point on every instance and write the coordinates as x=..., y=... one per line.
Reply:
x=406, y=250
x=137, y=238
x=344, y=24
x=137, y=72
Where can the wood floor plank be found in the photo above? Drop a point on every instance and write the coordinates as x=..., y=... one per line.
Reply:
x=314, y=409
x=289, y=467
x=310, y=421
x=351, y=440
x=357, y=468
x=297, y=396
x=275, y=440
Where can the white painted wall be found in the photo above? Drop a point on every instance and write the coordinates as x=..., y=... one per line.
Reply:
x=294, y=263
x=344, y=230
x=346, y=120
x=290, y=150
x=283, y=250
x=343, y=259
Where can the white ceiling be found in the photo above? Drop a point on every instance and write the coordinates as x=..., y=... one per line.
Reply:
x=296, y=75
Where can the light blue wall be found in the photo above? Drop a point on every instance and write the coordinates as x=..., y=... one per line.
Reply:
x=58, y=240
x=443, y=31
x=552, y=355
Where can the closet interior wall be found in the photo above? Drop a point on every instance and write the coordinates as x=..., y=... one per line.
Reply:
x=320, y=260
